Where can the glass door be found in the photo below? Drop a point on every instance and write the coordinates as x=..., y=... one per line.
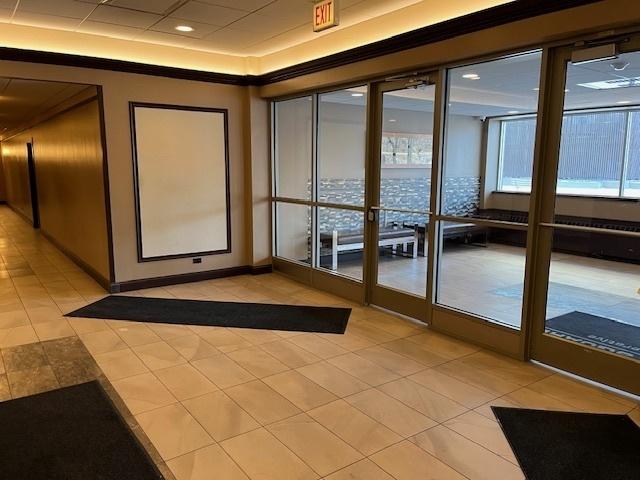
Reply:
x=587, y=289
x=400, y=195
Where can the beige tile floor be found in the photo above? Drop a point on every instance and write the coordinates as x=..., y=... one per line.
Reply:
x=388, y=400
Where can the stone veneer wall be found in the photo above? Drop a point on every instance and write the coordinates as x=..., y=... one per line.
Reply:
x=461, y=198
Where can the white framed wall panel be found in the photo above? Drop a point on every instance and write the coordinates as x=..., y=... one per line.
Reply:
x=181, y=176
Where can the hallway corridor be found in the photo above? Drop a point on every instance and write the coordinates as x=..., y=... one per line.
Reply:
x=387, y=400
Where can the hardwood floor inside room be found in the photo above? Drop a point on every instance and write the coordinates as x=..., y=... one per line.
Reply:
x=387, y=400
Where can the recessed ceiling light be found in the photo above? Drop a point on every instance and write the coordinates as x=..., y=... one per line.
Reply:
x=184, y=28
x=357, y=94
x=392, y=120
x=537, y=89
x=471, y=76
x=619, y=66
x=566, y=90
x=623, y=102
x=513, y=112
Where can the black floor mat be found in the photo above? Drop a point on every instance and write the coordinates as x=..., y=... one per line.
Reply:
x=593, y=330
x=74, y=433
x=572, y=446
x=267, y=316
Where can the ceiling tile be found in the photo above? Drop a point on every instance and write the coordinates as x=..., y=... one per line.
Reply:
x=60, y=8
x=230, y=37
x=5, y=14
x=125, y=17
x=152, y=6
x=298, y=9
x=162, y=38
x=200, y=30
x=256, y=22
x=245, y=5
x=45, y=21
x=205, y=13
x=109, y=30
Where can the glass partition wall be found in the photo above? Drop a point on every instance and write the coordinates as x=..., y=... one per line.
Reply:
x=319, y=152
x=498, y=201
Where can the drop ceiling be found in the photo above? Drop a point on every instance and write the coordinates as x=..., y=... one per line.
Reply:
x=509, y=86
x=23, y=100
x=246, y=29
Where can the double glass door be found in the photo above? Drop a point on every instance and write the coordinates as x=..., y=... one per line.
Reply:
x=492, y=201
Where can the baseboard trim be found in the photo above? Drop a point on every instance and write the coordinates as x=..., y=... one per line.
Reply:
x=21, y=214
x=129, y=285
x=261, y=269
x=88, y=269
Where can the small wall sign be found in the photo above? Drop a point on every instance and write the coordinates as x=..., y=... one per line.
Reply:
x=325, y=15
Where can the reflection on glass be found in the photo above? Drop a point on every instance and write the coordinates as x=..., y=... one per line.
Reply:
x=402, y=253
x=341, y=241
x=594, y=301
x=293, y=232
x=481, y=275
x=490, y=128
x=293, y=146
x=405, y=183
x=342, y=122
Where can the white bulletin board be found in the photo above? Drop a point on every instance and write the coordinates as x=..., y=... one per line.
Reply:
x=181, y=176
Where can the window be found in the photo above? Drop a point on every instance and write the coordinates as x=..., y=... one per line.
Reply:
x=406, y=150
x=319, y=148
x=598, y=154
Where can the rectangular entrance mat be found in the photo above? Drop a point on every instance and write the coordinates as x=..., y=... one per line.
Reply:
x=73, y=433
x=295, y=318
x=599, y=332
x=553, y=445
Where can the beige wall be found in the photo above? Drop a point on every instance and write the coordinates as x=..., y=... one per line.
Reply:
x=68, y=158
x=118, y=90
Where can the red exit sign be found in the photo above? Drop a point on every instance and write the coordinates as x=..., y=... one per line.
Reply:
x=325, y=15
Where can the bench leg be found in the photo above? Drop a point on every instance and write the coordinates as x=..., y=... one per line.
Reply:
x=334, y=251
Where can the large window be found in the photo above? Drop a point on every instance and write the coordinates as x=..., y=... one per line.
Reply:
x=598, y=153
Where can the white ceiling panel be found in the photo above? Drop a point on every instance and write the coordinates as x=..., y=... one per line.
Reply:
x=45, y=21
x=123, y=16
x=151, y=6
x=274, y=25
x=246, y=5
x=5, y=14
x=109, y=30
x=227, y=37
x=300, y=10
x=60, y=8
x=205, y=13
x=200, y=30
x=169, y=39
